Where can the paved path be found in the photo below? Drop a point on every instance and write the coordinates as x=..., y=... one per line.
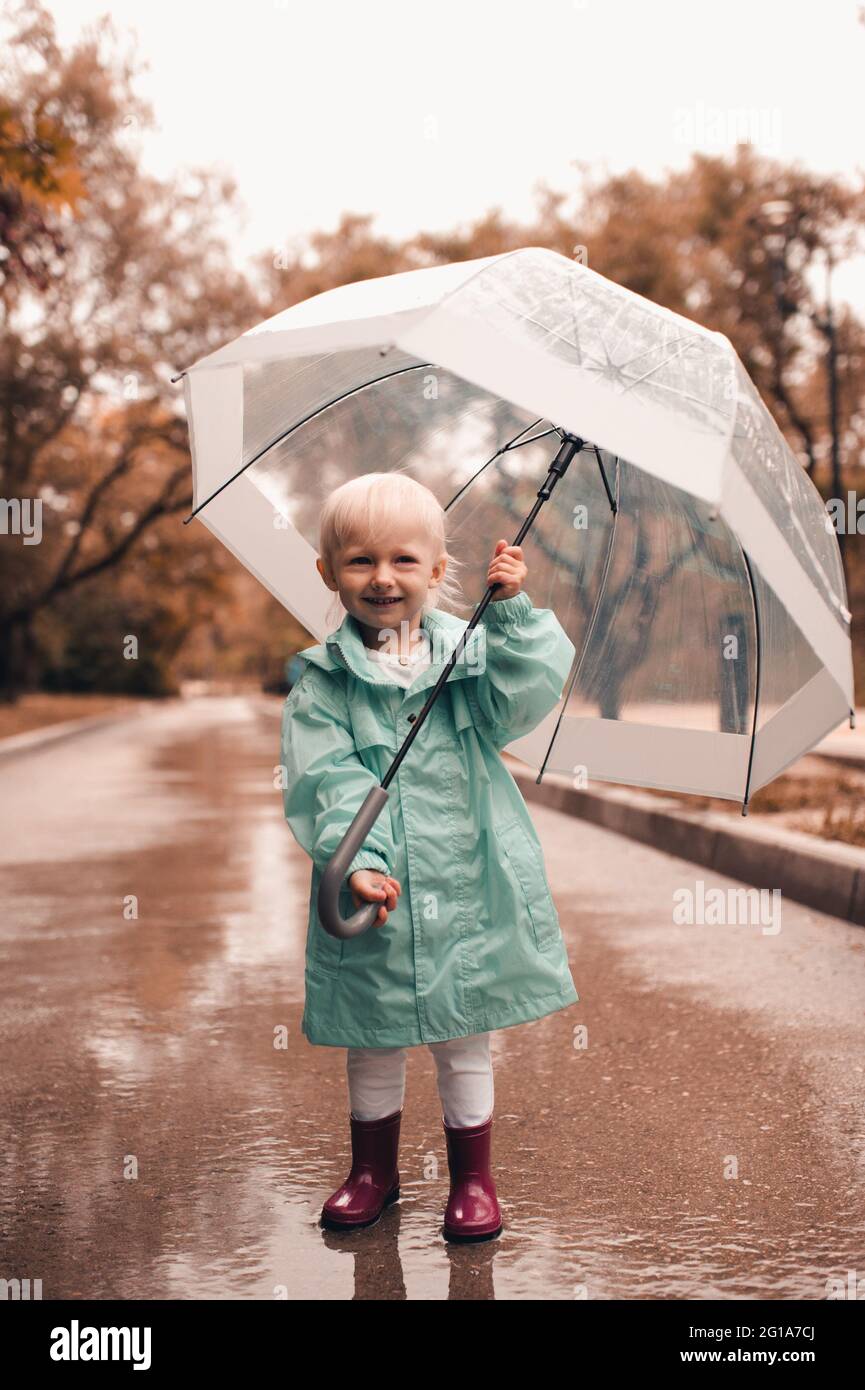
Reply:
x=706, y=1142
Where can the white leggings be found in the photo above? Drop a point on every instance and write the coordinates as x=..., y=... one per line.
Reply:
x=376, y=1080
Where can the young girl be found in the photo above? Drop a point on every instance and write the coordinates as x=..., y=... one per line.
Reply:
x=467, y=937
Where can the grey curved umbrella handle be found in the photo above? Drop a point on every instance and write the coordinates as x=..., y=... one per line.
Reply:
x=333, y=876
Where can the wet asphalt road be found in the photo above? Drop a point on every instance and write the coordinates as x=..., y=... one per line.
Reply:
x=707, y=1141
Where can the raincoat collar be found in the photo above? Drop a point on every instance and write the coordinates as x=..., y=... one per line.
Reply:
x=345, y=648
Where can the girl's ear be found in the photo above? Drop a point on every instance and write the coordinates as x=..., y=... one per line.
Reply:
x=437, y=573
x=335, y=613
x=325, y=574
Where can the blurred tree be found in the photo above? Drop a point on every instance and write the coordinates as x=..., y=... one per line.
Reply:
x=111, y=280
x=764, y=236
x=136, y=284
x=741, y=244
x=39, y=176
x=700, y=241
x=311, y=265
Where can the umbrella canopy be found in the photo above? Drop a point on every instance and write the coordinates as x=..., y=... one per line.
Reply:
x=686, y=552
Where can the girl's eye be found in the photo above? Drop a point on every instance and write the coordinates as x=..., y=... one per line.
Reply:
x=410, y=558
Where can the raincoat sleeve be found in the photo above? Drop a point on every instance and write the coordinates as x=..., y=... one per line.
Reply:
x=528, y=659
x=325, y=780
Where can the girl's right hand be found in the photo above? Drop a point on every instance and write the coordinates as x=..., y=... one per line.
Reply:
x=370, y=886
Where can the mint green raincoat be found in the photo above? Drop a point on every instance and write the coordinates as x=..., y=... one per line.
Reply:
x=474, y=942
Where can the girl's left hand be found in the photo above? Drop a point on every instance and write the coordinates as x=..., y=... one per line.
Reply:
x=507, y=569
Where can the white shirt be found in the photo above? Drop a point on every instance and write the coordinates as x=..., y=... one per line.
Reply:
x=403, y=669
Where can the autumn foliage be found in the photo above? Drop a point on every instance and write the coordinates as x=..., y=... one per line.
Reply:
x=111, y=281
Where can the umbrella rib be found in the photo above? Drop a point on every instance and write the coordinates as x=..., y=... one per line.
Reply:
x=551, y=552
x=657, y=368
x=620, y=337
x=689, y=396
x=756, y=680
x=418, y=367
x=654, y=348
x=534, y=439
x=610, y=498
x=592, y=621
x=514, y=444
x=560, y=337
x=575, y=306
x=602, y=365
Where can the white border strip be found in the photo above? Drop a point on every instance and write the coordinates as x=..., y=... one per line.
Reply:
x=700, y=761
x=811, y=714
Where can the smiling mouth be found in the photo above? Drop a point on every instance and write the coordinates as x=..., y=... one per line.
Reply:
x=382, y=602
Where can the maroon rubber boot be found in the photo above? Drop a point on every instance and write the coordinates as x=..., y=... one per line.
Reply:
x=373, y=1182
x=472, y=1211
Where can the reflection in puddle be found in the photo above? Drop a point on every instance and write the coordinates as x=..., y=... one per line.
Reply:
x=158, y=1144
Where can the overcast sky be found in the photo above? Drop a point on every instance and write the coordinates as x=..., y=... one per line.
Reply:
x=429, y=115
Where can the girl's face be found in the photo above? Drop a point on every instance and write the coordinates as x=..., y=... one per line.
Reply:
x=386, y=582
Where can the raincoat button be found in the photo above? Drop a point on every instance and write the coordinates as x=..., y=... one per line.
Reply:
x=411, y=718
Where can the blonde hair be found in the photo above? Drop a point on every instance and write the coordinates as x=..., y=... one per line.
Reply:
x=374, y=503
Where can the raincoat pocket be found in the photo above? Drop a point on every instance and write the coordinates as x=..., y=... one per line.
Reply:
x=533, y=881
x=325, y=951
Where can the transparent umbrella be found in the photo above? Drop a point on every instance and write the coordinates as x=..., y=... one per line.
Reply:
x=683, y=548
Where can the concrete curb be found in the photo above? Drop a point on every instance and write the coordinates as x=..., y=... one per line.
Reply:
x=34, y=739
x=820, y=873
x=839, y=756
